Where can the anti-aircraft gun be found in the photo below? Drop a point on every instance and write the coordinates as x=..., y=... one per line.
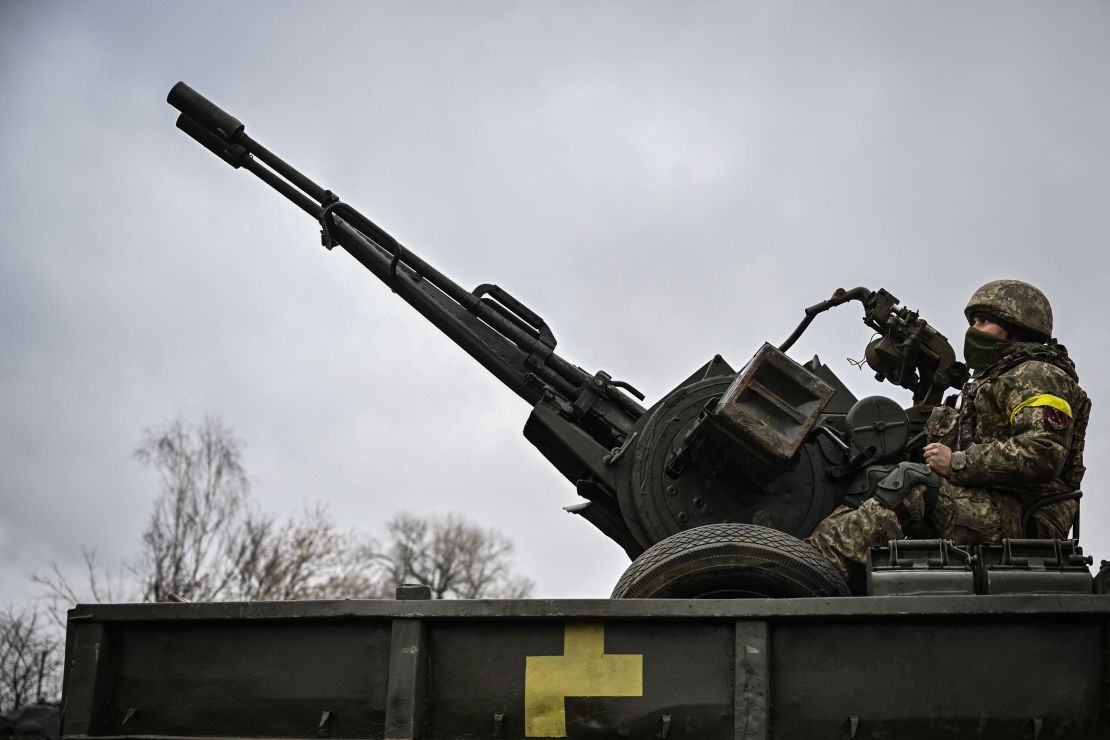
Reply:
x=752, y=458
x=709, y=489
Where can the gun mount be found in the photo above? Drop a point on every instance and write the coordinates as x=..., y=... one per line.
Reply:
x=775, y=444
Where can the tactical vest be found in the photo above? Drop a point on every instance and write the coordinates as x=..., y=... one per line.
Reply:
x=1053, y=354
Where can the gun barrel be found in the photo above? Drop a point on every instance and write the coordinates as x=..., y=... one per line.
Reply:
x=206, y=113
x=233, y=154
x=503, y=335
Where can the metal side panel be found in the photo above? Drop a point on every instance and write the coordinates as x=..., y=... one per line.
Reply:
x=997, y=677
x=276, y=679
x=904, y=667
x=87, y=677
x=581, y=679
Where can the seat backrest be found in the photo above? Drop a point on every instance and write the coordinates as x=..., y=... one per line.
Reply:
x=1029, y=524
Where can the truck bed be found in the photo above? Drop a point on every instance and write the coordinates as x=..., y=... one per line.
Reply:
x=1020, y=666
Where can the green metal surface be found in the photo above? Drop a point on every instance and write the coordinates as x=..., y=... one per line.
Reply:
x=760, y=668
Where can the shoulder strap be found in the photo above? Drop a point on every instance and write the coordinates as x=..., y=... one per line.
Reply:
x=1073, y=468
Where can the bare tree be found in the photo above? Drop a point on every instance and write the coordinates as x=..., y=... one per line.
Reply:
x=30, y=659
x=206, y=541
x=451, y=556
x=197, y=518
x=100, y=586
x=304, y=558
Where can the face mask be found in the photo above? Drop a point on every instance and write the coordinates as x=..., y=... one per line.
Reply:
x=979, y=348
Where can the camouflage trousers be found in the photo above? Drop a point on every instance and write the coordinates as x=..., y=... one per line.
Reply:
x=967, y=516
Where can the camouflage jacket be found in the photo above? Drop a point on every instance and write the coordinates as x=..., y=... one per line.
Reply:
x=1019, y=431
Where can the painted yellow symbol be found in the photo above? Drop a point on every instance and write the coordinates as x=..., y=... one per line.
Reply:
x=582, y=670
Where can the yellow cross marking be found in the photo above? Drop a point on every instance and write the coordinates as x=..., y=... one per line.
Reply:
x=582, y=670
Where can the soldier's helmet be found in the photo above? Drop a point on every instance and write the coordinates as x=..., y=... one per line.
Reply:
x=1015, y=303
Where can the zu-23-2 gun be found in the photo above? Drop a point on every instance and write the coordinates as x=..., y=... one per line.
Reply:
x=775, y=444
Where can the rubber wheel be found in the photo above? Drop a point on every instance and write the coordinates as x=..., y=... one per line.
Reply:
x=729, y=561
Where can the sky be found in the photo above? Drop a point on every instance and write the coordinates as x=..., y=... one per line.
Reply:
x=661, y=182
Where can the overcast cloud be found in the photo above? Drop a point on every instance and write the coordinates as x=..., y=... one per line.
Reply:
x=661, y=182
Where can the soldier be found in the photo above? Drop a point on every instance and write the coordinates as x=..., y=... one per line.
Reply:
x=1014, y=435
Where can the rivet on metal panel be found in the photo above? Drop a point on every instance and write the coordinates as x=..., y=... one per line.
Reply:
x=498, y=725
x=324, y=726
x=413, y=591
x=853, y=726
x=130, y=714
x=1038, y=725
x=664, y=726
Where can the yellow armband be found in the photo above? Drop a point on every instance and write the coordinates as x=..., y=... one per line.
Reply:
x=1043, y=399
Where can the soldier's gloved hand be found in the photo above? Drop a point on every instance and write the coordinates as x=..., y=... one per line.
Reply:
x=939, y=458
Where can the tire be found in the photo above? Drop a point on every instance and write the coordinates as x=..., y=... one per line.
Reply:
x=729, y=561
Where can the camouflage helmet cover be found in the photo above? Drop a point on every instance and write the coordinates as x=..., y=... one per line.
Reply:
x=1013, y=302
